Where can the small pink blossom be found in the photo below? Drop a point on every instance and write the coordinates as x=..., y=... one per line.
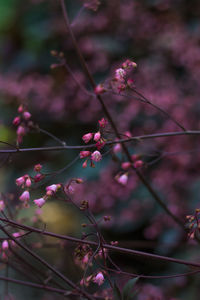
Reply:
x=99, y=278
x=20, y=109
x=2, y=205
x=97, y=136
x=19, y=181
x=117, y=148
x=16, y=121
x=25, y=196
x=123, y=179
x=120, y=75
x=53, y=188
x=87, y=137
x=103, y=122
x=84, y=154
x=37, y=168
x=39, y=202
x=96, y=156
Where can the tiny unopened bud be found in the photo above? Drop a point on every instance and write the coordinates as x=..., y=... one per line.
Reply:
x=26, y=115
x=79, y=180
x=126, y=165
x=99, y=89
x=54, y=52
x=16, y=121
x=84, y=165
x=84, y=154
x=138, y=164
x=28, y=182
x=37, y=168
x=20, y=109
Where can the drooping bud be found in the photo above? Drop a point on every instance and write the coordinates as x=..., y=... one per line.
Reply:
x=25, y=196
x=21, y=130
x=28, y=182
x=19, y=181
x=39, y=202
x=26, y=115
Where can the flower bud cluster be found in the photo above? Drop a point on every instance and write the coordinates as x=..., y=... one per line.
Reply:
x=94, y=156
x=121, y=79
x=22, y=122
x=26, y=181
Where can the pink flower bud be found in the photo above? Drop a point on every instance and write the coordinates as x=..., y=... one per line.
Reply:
x=2, y=205
x=26, y=115
x=84, y=154
x=38, y=177
x=39, y=202
x=20, y=109
x=37, y=168
x=19, y=181
x=84, y=165
x=97, y=136
x=135, y=157
x=96, y=156
x=5, y=245
x=52, y=188
x=16, y=121
x=103, y=122
x=100, y=144
x=87, y=137
x=25, y=196
x=123, y=179
x=130, y=82
x=128, y=134
x=28, y=182
x=99, y=89
x=99, y=278
x=21, y=130
x=126, y=165
x=138, y=164
x=117, y=148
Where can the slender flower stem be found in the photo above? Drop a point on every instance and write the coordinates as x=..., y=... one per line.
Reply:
x=45, y=263
x=106, y=246
x=125, y=140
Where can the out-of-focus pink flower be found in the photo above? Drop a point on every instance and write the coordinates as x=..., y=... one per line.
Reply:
x=26, y=115
x=117, y=148
x=39, y=202
x=38, y=177
x=120, y=75
x=126, y=165
x=84, y=165
x=122, y=179
x=138, y=164
x=99, y=89
x=99, y=278
x=5, y=245
x=25, y=196
x=96, y=156
x=100, y=144
x=53, y=188
x=28, y=182
x=16, y=121
x=87, y=137
x=2, y=205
